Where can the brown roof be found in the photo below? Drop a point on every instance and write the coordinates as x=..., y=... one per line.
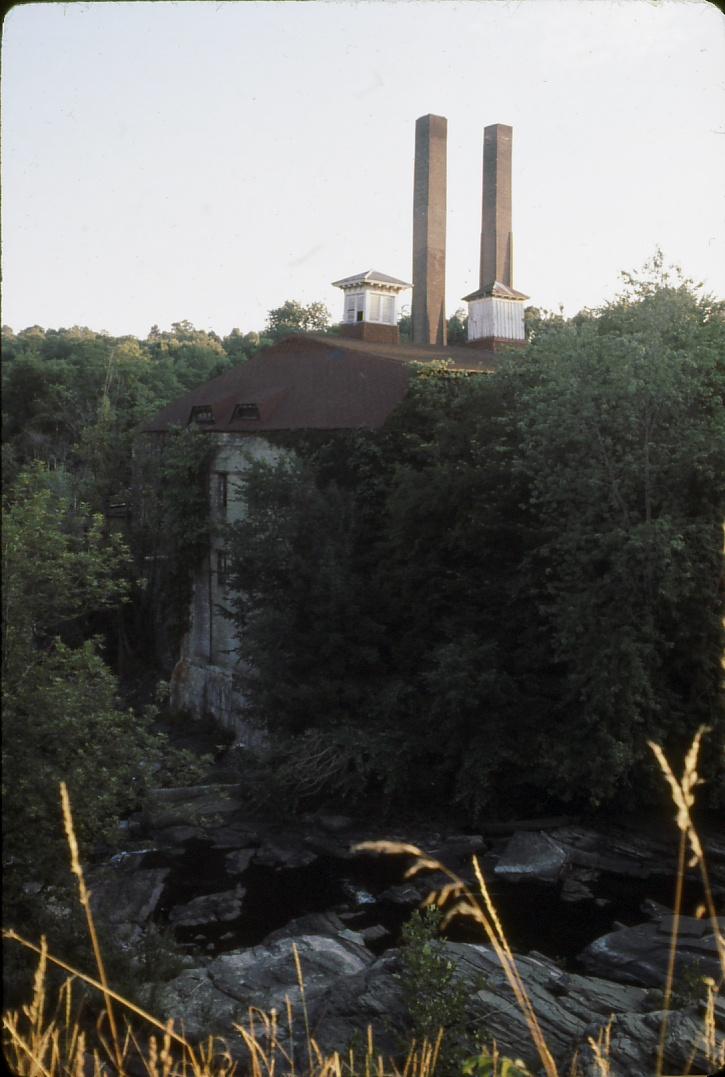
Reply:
x=313, y=383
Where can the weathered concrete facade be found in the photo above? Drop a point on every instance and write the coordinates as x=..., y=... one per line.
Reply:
x=429, y=231
x=203, y=681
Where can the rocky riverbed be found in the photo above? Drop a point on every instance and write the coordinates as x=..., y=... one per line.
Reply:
x=585, y=907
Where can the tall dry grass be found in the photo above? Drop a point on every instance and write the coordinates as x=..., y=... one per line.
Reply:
x=126, y=1040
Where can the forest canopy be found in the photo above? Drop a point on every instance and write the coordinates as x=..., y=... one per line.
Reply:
x=495, y=602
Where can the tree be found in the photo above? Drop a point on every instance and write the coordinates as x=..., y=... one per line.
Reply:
x=458, y=327
x=621, y=442
x=293, y=317
x=520, y=584
x=62, y=719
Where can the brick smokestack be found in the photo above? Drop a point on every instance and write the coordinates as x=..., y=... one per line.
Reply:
x=429, y=231
x=496, y=235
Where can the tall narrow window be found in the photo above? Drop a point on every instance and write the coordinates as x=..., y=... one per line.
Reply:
x=354, y=304
x=222, y=568
x=222, y=489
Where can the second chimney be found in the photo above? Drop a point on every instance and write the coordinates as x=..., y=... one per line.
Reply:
x=429, y=231
x=496, y=237
x=496, y=309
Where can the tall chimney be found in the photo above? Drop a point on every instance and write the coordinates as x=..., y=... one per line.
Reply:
x=496, y=309
x=496, y=235
x=429, y=231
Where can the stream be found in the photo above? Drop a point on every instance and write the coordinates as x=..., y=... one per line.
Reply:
x=369, y=892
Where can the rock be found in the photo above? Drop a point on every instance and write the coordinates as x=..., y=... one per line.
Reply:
x=576, y=885
x=458, y=849
x=531, y=855
x=633, y=1045
x=375, y=933
x=654, y=910
x=125, y=898
x=371, y=999
x=204, y=806
x=565, y=1004
x=211, y=1000
x=273, y=855
x=346, y=990
x=639, y=955
x=236, y=863
x=405, y=895
x=209, y=909
x=616, y=851
x=312, y=923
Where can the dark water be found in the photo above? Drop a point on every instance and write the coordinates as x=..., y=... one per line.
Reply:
x=533, y=914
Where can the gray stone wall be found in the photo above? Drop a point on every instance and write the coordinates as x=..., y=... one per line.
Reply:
x=202, y=683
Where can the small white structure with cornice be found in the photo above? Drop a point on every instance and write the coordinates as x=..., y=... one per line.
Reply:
x=496, y=314
x=371, y=297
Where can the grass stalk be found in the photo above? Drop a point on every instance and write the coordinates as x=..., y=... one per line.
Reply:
x=84, y=897
x=672, y=956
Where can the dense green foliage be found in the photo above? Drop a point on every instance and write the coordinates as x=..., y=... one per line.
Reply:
x=496, y=601
x=294, y=317
x=73, y=397
x=62, y=719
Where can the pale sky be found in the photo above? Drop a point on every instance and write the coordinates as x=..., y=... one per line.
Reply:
x=209, y=160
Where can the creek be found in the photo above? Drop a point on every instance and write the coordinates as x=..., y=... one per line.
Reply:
x=369, y=892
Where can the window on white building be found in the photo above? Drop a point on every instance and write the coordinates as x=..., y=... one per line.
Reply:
x=222, y=568
x=222, y=489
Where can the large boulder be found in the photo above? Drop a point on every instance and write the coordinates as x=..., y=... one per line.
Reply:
x=640, y=954
x=211, y=1000
x=532, y=855
x=615, y=850
x=125, y=897
x=565, y=1004
x=632, y=1045
x=571, y=1009
x=207, y=909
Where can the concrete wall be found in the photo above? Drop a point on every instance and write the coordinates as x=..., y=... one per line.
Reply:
x=202, y=683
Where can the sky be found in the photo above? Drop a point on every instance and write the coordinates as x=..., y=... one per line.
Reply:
x=210, y=160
